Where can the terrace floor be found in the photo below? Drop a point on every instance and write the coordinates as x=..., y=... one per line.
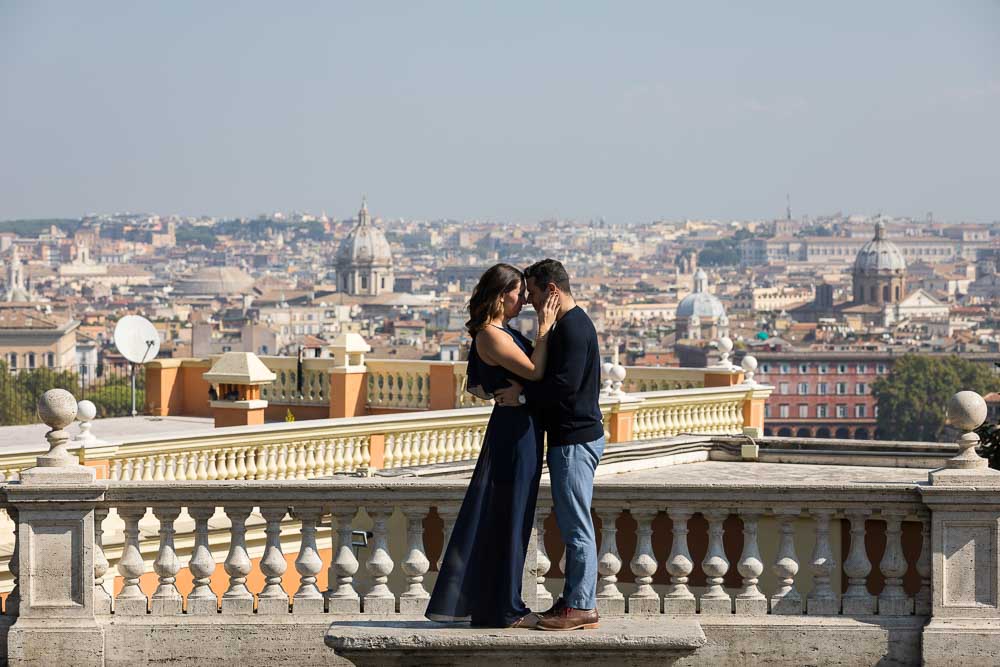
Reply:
x=31, y=437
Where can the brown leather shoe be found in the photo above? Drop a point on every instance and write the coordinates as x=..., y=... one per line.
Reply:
x=569, y=618
x=554, y=610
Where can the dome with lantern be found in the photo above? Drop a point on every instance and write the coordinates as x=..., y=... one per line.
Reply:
x=364, y=259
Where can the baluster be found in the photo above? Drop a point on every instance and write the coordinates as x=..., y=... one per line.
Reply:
x=679, y=599
x=241, y=464
x=237, y=599
x=12, y=607
x=246, y=464
x=202, y=471
x=148, y=465
x=131, y=601
x=166, y=599
x=128, y=470
x=362, y=453
x=644, y=600
x=343, y=566
x=923, y=600
x=338, y=455
x=542, y=563
x=311, y=459
x=202, y=599
x=786, y=600
x=715, y=600
x=260, y=463
x=116, y=470
x=190, y=466
x=379, y=599
x=856, y=600
x=414, y=599
x=159, y=468
x=291, y=461
x=251, y=463
x=450, y=452
x=308, y=599
x=213, y=469
x=425, y=447
x=893, y=601
x=610, y=601
x=477, y=442
x=750, y=601
x=822, y=601
x=230, y=471
x=102, y=599
x=390, y=458
x=329, y=459
x=407, y=458
x=272, y=599
x=468, y=448
x=280, y=461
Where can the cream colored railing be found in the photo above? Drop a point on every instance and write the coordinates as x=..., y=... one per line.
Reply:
x=399, y=384
x=642, y=379
x=463, y=399
x=715, y=410
x=315, y=382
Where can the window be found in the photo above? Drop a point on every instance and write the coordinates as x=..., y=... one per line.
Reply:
x=824, y=368
x=875, y=411
x=841, y=368
x=821, y=411
x=822, y=388
x=862, y=368
x=803, y=368
x=860, y=389
x=12, y=360
x=764, y=368
x=841, y=410
x=860, y=410
x=783, y=411
x=50, y=360
x=767, y=411
x=783, y=388
x=803, y=388
x=784, y=369
x=364, y=282
x=803, y=410
x=841, y=388
x=880, y=369
x=31, y=360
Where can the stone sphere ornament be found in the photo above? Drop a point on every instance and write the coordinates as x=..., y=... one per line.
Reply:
x=966, y=411
x=57, y=409
x=86, y=411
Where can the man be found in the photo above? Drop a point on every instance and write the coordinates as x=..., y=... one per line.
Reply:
x=566, y=399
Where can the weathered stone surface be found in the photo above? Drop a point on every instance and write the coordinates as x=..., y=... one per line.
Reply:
x=616, y=642
x=947, y=643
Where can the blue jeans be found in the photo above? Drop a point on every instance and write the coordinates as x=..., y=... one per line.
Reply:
x=571, y=471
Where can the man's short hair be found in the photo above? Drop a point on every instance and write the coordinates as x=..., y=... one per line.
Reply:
x=549, y=271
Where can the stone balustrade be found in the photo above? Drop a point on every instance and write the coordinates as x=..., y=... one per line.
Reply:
x=823, y=562
x=400, y=385
x=322, y=447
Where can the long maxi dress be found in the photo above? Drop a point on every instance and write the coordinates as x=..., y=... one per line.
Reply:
x=481, y=572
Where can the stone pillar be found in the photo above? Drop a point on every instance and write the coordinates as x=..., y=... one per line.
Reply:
x=162, y=387
x=621, y=420
x=753, y=411
x=349, y=376
x=964, y=499
x=443, y=386
x=55, y=504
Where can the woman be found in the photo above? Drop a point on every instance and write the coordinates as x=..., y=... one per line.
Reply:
x=481, y=572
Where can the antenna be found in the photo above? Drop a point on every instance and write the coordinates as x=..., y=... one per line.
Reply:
x=137, y=340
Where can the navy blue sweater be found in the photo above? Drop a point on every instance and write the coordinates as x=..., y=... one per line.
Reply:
x=566, y=398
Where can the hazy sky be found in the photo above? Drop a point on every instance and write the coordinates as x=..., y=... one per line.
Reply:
x=505, y=110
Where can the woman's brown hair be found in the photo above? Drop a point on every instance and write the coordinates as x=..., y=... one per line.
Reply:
x=486, y=298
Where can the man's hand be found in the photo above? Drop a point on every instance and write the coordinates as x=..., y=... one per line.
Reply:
x=508, y=396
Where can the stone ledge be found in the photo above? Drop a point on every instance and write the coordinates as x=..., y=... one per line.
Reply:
x=411, y=641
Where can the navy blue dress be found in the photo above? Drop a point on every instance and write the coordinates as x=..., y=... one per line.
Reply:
x=481, y=572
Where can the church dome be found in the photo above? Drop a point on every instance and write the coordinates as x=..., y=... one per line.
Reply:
x=700, y=302
x=879, y=255
x=365, y=244
x=216, y=281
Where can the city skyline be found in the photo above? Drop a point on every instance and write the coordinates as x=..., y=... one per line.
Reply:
x=512, y=113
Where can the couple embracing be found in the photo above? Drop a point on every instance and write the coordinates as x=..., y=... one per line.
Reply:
x=549, y=387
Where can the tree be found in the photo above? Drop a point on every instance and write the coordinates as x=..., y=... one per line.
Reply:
x=912, y=398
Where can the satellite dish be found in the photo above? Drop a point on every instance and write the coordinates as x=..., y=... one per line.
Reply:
x=137, y=339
